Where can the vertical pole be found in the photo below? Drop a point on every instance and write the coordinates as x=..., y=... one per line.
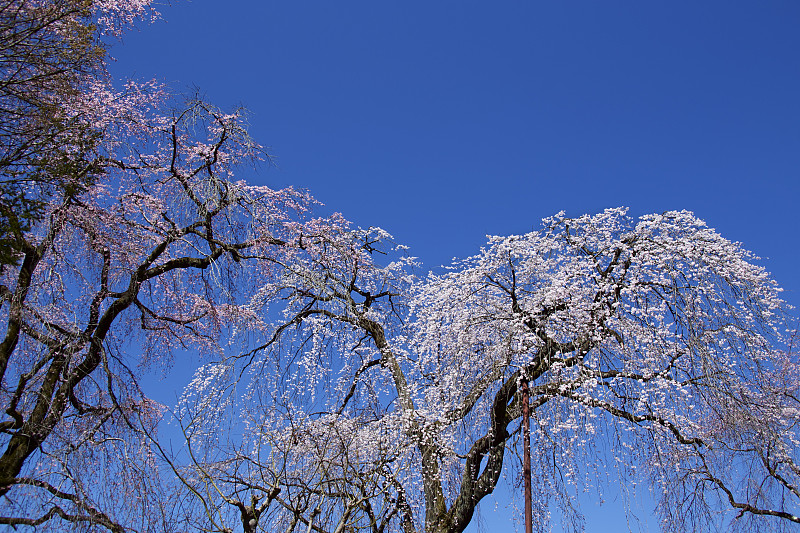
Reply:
x=526, y=457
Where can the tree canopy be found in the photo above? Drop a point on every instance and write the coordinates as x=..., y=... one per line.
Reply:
x=342, y=388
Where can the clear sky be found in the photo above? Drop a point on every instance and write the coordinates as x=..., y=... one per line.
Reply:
x=443, y=121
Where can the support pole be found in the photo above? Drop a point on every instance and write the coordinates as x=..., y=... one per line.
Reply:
x=526, y=457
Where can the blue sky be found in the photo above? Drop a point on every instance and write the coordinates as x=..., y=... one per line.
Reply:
x=444, y=121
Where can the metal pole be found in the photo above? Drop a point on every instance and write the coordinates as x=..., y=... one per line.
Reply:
x=526, y=457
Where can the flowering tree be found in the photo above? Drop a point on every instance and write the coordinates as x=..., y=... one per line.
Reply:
x=339, y=390
x=657, y=337
x=52, y=61
x=144, y=256
x=651, y=342
x=300, y=450
x=151, y=255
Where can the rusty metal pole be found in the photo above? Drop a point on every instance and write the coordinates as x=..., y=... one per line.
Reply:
x=526, y=452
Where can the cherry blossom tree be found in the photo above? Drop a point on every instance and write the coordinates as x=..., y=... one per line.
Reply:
x=339, y=389
x=112, y=276
x=305, y=446
x=52, y=58
x=151, y=246
x=654, y=348
x=149, y=257
x=657, y=337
